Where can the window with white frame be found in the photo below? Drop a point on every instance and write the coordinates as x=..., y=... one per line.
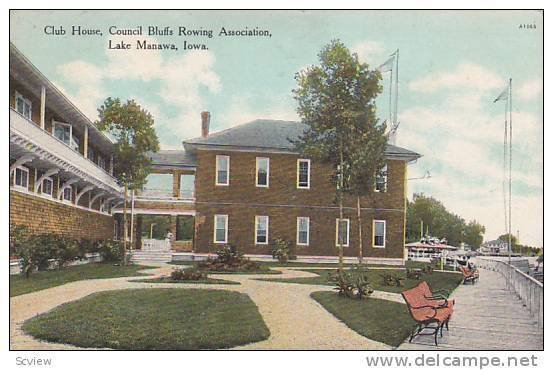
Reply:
x=67, y=194
x=304, y=175
x=62, y=131
x=90, y=153
x=262, y=172
x=222, y=169
x=379, y=233
x=21, y=177
x=220, y=229
x=261, y=229
x=302, y=237
x=47, y=186
x=23, y=106
x=382, y=180
x=342, y=232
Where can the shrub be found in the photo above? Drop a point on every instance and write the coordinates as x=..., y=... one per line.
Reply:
x=353, y=284
x=36, y=253
x=110, y=250
x=392, y=279
x=413, y=274
x=186, y=274
x=19, y=235
x=281, y=250
x=229, y=259
x=87, y=246
x=64, y=250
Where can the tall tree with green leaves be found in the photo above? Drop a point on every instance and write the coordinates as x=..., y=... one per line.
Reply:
x=335, y=100
x=133, y=129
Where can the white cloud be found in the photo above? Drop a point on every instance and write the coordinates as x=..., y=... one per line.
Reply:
x=369, y=51
x=466, y=76
x=241, y=111
x=529, y=90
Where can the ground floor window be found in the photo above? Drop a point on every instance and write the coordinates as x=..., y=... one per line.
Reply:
x=379, y=233
x=220, y=230
x=47, y=186
x=67, y=193
x=261, y=229
x=21, y=177
x=342, y=232
x=302, y=237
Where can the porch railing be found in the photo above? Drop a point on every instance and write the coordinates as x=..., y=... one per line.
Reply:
x=528, y=289
x=156, y=245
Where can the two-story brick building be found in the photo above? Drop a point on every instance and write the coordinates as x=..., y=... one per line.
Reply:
x=243, y=186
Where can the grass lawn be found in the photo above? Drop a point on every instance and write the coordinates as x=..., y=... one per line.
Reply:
x=408, y=264
x=51, y=278
x=169, y=280
x=153, y=319
x=436, y=280
x=377, y=319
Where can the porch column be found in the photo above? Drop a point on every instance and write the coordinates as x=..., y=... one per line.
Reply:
x=85, y=144
x=176, y=184
x=138, y=232
x=42, y=107
x=173, y=226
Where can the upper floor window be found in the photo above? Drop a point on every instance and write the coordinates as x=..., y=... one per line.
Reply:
x=62, y=131
x=90, y=153
x=222, y=169
x=379, y=233
x=262, y=172
x=47, y=186
x=102, y=162
x=23, y=106
x=21, y=177
x=302, y=237
x=381, y=184
x=75, y=142
x=342, y=232
x=261, y=229
x=304, y=176
x=158, y=185
x=220, y=229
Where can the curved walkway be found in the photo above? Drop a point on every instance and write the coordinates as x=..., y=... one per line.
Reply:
x=294, y=319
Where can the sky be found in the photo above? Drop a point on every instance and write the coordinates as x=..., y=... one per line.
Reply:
x=452, y=65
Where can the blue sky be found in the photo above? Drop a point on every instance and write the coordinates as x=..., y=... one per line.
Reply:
x=452, y=65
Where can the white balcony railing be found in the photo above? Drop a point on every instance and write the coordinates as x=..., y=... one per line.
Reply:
x=165, y=194
x=29, y=131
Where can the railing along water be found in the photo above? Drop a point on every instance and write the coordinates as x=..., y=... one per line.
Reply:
x=528, y=289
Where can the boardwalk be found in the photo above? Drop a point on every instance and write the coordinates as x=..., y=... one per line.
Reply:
x=487, y=317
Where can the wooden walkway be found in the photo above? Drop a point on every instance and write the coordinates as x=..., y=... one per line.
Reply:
x=487, y=317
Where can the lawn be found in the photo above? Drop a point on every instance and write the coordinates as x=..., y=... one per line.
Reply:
x=153, y=319
x=377, y=319
x=51, y=278
x=169, y=280
x=436, y=280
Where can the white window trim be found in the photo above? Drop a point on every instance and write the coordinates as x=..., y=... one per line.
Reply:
x=56, y=123
x=257, y=159
x=70, y=200
x=374, y=223
x=25, y=100
x=298, y=231
x=385, y=182
x=215, y=229
x=347, y=232
x=308, y=161
x=24, y=169
x=51, y=187
x=217, y=183
x=255, y=231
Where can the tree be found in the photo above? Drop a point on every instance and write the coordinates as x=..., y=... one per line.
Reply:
x=335, y=101
x=133, y=128
x=505, y=238
x=474, y=234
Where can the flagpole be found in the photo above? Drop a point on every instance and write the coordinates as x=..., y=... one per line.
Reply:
x=397, y=84
x=391, y=82
x=510, y=158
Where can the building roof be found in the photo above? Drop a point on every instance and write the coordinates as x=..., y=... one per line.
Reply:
x=268, y=134
x=173, y=158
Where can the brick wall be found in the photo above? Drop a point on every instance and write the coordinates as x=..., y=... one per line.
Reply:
x=43, y=216
x=283, y=203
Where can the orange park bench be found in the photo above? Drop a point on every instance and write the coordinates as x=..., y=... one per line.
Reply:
x=469, y=276
x=429, y=310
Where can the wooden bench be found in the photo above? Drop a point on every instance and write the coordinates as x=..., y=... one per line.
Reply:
x=429, y=310
x=469, y=276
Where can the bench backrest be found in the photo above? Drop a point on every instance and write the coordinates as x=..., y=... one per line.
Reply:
x=414, y=298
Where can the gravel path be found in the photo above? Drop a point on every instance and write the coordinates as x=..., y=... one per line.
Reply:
x=294, y=319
